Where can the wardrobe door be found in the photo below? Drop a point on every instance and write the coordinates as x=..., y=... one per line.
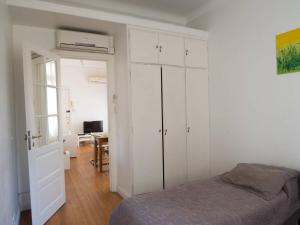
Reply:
x=196, y=53
x=147, y=128
x=174, y=124
x=171, y=50
x=143, y=46
x=197, y=123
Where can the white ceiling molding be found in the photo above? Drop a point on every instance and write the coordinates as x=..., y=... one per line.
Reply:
x=104, y=16
x=126, y=9
x=208, y=6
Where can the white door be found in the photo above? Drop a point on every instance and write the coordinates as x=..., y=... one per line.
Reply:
x=197, y=123
x=44, y=141
x=143, y=46
x=174, y=124
x=147, y=128
x=196, y=53
x=171, y=50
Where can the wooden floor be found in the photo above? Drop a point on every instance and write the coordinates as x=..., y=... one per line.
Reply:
x=89, y=201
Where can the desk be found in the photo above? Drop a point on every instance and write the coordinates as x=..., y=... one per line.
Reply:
x=100, y=140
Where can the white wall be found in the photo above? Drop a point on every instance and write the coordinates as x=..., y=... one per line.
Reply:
x=9, y=209
x=255, y=114
x=89, y=100
x=124, y=156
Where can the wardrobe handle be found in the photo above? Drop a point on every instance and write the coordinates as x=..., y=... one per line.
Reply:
x=160, y=48
x=186, y=52
x=166, y=130
x=28, y=136
x=159, y=131
x=188, y=129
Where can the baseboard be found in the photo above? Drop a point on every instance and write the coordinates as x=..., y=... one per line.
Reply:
x=24, y=201
x=123, y=192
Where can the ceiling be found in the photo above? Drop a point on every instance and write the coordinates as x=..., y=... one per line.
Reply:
x=174, y=11
x=44, y=19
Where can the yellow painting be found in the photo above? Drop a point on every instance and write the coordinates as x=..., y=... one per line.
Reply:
x=288, y=52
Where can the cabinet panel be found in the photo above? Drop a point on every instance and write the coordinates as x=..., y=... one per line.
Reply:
x=143, y=46
x=196, y=53
x=172, y=50
x=147, y=125
x=174, y=121
x=198, y=123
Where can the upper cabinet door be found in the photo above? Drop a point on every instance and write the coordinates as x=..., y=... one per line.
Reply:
x=143, y=46
x=196, y=53
x=171, y=50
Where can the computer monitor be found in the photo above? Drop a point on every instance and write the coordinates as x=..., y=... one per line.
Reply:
x=92, y=126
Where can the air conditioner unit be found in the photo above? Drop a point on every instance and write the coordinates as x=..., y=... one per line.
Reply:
x=97, y=79
x=88, y=42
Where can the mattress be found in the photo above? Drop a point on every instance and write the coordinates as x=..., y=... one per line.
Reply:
x=210, y=202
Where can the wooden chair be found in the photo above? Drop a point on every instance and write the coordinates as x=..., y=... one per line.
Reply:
x=102, y=149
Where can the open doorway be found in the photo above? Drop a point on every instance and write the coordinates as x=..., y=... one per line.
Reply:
x=85, y=120
x=85, y=112
x=88, y=95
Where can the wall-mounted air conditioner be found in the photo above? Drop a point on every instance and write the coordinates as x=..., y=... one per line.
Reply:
x=88, y=42
x=97, y=79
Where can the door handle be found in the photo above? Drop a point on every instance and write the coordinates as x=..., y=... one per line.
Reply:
x=36, y=137
x=27, y=137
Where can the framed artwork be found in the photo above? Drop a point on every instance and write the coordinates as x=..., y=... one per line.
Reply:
x=288, y=52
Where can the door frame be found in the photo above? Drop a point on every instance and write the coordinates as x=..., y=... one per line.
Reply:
x=111, y=105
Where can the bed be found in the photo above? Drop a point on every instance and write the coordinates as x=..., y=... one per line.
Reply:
x=240, y=197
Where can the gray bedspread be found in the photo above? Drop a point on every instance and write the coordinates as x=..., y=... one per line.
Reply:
x=212, y=202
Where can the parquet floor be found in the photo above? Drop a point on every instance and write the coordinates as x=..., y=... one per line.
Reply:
x=89, y=201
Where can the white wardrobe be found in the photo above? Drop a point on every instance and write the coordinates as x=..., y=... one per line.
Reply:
x=169, y=109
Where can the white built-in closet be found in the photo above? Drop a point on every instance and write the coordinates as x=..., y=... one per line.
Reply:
x=169, y=99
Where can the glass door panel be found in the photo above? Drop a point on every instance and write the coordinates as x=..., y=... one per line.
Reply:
x=51, y=101
x=45, y=101
x=52, y=129
x=39, y=100
x=51, y=72
x=40, y=129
